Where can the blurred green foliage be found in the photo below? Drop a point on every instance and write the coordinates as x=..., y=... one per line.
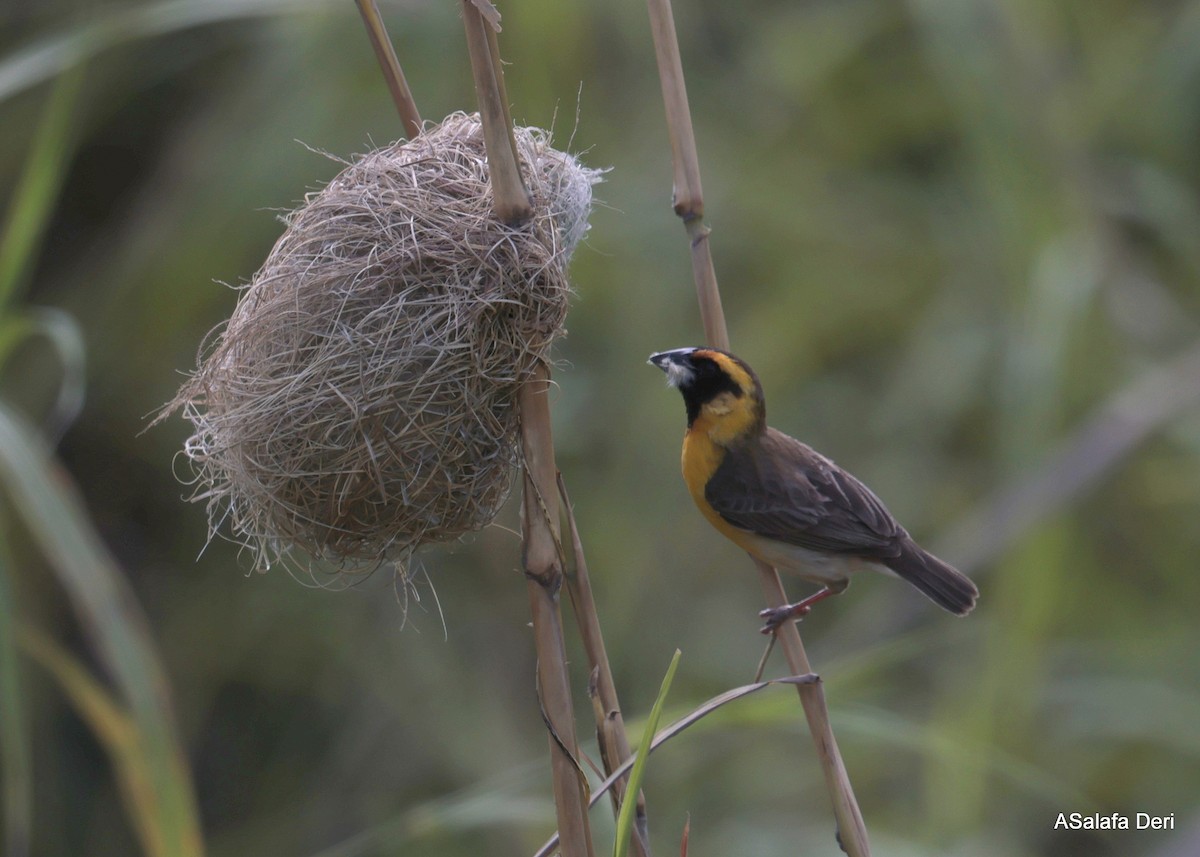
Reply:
x=949, y=234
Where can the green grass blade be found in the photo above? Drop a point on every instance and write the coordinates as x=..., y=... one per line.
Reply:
x=16, y=765
x=37, y=190
x=114, y=730
x=41, y=492
x=63, y=334
x=54, y=55
x=927, y=739
x=625, y=819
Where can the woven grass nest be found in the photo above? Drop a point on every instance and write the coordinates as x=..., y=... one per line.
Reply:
x=361, y=400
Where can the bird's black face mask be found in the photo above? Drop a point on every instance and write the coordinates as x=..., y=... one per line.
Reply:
x=697, y=377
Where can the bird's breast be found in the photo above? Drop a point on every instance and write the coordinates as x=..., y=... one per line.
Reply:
x=701, y=458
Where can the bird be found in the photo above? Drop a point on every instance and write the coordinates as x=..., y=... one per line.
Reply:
x=782, y=501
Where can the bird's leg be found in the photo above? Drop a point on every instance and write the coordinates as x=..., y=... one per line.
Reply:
x=776, y=616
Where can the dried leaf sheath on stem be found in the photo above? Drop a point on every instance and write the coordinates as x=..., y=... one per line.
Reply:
x=689, y=205
x=610, y=723
x=542, y=560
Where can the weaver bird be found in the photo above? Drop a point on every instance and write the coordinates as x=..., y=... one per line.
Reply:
x=783, y=502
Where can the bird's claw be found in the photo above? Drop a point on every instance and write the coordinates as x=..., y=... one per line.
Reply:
x=776, y=616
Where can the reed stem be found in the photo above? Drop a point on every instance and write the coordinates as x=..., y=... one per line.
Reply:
x=510, y=198
x=689, y=205
x=541, y=541
x=397, y=84
x=542, y=560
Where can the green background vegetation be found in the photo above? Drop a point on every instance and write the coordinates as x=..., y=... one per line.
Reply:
x=958, y=239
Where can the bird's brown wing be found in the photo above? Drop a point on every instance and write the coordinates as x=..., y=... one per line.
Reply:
x=780, y=488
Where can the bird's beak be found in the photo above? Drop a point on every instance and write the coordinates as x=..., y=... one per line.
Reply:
x=661, y=359
x=676, y=364
x=675, y=357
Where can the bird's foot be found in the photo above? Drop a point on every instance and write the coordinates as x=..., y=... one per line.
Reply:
x=776, y=616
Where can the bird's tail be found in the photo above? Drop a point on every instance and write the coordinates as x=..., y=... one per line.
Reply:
x=940, y=582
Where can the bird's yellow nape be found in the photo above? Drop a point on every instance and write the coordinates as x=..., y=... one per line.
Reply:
x=737, y=371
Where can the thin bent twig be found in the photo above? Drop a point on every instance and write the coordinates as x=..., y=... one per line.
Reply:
x=668, y=732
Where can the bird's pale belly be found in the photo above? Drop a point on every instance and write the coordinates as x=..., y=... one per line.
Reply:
x=813, y=566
